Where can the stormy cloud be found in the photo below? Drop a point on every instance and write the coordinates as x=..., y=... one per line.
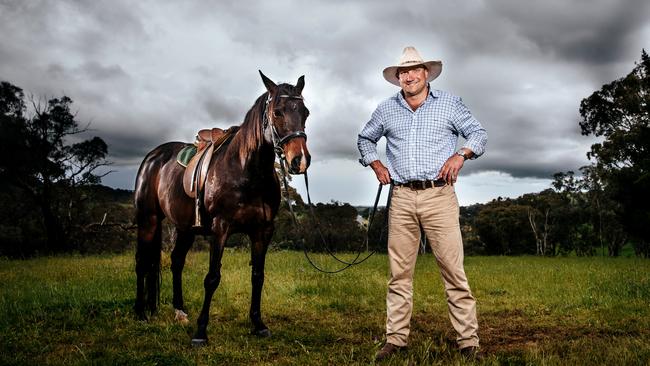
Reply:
x=148, y=72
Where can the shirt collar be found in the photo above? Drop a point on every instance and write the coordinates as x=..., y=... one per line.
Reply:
x=432, y=92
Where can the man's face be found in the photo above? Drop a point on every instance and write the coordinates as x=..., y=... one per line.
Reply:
x=413, y=80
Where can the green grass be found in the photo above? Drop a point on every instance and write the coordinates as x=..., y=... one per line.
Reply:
x=76, y=310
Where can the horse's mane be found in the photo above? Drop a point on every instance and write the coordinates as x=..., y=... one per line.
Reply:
x=251, y=133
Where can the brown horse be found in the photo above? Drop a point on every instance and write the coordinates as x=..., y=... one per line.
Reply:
x=242, y=195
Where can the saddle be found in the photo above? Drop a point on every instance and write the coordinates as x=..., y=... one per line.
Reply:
x=208, y=142
x=205, y=136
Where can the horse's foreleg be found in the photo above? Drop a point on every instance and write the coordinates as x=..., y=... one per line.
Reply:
x=182, y=245
x=210, y=284
x=260, y=241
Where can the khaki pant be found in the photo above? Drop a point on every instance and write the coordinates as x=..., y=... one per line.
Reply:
x=436, y=210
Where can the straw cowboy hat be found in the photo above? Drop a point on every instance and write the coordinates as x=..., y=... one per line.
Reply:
x=411, y=57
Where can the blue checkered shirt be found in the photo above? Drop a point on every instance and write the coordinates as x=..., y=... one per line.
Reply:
x=418, y=143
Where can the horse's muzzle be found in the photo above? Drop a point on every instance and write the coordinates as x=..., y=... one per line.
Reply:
x=299, y=164
x=297, y=155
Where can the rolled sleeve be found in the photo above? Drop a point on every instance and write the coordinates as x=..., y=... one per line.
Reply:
x=368, y=137
x=470, y=129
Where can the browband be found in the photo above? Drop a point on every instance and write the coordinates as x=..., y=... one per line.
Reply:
x=290, y=96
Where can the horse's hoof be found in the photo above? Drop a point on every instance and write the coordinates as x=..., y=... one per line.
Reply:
x=262, y=333
x=199, y=342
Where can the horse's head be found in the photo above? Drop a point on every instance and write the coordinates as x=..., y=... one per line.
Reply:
x=285, y=119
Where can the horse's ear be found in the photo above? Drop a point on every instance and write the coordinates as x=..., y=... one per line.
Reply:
x=300, y=84
x=268, y=83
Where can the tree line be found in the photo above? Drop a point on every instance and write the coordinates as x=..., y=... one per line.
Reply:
x=48, y=178
x=606, y=206
x=51, y=199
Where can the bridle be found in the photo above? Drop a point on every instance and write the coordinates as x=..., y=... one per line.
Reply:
x=279, y=142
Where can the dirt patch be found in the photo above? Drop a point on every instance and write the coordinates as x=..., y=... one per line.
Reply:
x=513, y=331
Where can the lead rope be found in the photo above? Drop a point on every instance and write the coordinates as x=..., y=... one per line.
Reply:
x=346, y=264
x=317, y=225
x=277, y=146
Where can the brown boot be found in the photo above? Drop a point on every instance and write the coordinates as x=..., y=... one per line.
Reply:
x=471, y=353
x=387, y=350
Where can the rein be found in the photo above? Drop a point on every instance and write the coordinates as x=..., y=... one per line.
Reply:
x=346, y=264
x=278, y=144
x=356, y=260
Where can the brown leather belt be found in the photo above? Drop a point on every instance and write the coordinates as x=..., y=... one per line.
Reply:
x=422, y=184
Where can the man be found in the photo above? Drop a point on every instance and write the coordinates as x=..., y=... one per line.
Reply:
x=421, y=126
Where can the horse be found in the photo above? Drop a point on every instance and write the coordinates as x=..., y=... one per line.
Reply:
x=241, y=195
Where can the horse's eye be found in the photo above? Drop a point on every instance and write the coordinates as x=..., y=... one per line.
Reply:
x=277, y=113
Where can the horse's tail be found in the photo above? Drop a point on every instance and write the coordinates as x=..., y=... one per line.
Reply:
x=147, y=267
x=149, y=244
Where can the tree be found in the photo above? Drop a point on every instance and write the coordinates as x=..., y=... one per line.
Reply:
x=619, y=112
x=572, y=232
x=334, y=227
x=504, y=228
x=602, y=210
x=472, y=243
x=377, y=233
x=38, y=157
x=541, y=216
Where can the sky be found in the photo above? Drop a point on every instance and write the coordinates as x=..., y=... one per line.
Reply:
x=143, y=73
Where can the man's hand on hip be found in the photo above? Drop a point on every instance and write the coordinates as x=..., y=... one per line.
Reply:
x=449, y=171
x=383, y=176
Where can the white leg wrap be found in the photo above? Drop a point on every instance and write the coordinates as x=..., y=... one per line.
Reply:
x=181, y=317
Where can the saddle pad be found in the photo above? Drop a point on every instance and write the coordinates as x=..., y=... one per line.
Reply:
x=185, y=155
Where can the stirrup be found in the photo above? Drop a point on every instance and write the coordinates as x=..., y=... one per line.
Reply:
x=197, y=214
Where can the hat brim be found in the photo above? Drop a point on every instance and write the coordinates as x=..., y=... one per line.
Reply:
x=434, y=67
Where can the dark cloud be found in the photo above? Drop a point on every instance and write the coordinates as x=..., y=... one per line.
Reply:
x=224, y=112
x=145, y=73
x=95, y=71
x=128, y=134
x=55, y=71
x=589, y=32
x=127, y=148
x=335, y=130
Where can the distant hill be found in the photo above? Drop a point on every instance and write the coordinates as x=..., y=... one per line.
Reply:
x=111, y=194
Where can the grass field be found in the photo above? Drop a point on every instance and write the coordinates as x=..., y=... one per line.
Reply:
x=78, y=310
